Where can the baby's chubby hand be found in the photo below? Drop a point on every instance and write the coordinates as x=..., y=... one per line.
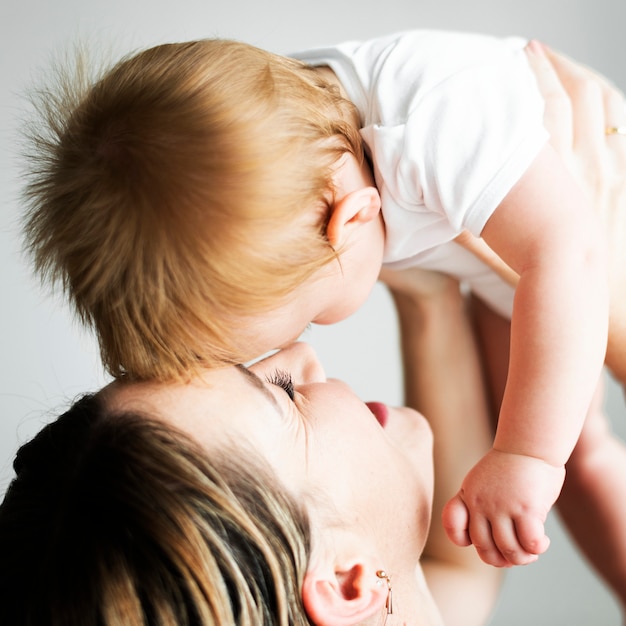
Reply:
x=502, y=506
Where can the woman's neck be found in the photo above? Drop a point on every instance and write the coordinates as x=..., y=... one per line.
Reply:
x=413, y=603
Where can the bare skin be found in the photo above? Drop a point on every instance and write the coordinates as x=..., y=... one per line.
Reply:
x=438, y=345
x=579, y=106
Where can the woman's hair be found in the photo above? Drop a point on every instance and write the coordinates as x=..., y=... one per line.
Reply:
x=121, y=520
x=181, y=192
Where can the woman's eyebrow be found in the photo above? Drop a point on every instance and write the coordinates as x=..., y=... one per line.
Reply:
x=258, y=383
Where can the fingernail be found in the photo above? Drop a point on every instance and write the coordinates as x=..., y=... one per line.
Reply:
x=536, y=47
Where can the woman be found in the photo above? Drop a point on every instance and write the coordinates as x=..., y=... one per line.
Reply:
x=293, y=504
x=262, y=496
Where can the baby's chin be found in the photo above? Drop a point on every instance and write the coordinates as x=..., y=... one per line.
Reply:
x=344, y=309
x=257, y=342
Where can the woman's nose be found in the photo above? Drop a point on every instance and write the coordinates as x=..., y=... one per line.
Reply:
x=299, y=359
x=306, y=366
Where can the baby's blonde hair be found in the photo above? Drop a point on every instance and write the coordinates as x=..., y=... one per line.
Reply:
x=185, y=190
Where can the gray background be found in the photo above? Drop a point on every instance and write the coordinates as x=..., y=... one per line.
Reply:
x=46, y=360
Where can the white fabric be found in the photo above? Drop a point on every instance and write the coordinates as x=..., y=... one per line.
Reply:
x=450, y=121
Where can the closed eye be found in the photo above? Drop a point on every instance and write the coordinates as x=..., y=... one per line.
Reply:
x=282, y=379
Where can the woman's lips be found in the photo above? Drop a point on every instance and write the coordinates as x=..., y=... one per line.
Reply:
x=380, y=411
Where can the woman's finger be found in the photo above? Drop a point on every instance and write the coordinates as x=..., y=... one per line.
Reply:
x=558, y=109
x=589, y=93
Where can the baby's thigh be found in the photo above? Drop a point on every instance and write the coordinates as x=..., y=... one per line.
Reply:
x=595, y=434
x=616, y=348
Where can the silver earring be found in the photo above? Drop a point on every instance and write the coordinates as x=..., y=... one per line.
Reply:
x=382, y=575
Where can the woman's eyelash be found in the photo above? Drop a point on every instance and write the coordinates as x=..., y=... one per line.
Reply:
x=283, y=379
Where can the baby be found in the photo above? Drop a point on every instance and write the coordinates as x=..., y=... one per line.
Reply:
x=203, y=202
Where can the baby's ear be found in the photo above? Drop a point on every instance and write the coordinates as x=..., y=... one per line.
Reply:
x=344, y=597
x=353, y=210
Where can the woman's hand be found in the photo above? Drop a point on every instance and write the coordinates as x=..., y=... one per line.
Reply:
x=580, y=106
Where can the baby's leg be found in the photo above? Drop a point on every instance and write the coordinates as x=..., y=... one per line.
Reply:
x=593, y=501
x=596, y=471
x=493, y=334
x=614, y=217
x=616, y=348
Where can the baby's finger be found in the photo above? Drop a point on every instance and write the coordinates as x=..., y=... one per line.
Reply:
x=455, y=519
x=482, y=537
x=531, y=534
x=508, y=544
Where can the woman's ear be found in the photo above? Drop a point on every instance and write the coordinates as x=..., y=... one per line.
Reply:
x=343, y=597
x=354, y=209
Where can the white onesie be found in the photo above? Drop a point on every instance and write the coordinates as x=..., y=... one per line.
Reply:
x=450, y=122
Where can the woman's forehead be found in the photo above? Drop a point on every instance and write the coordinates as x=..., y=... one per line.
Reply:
x=218, y=404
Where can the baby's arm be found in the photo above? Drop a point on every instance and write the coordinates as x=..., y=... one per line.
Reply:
x=545, y=232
